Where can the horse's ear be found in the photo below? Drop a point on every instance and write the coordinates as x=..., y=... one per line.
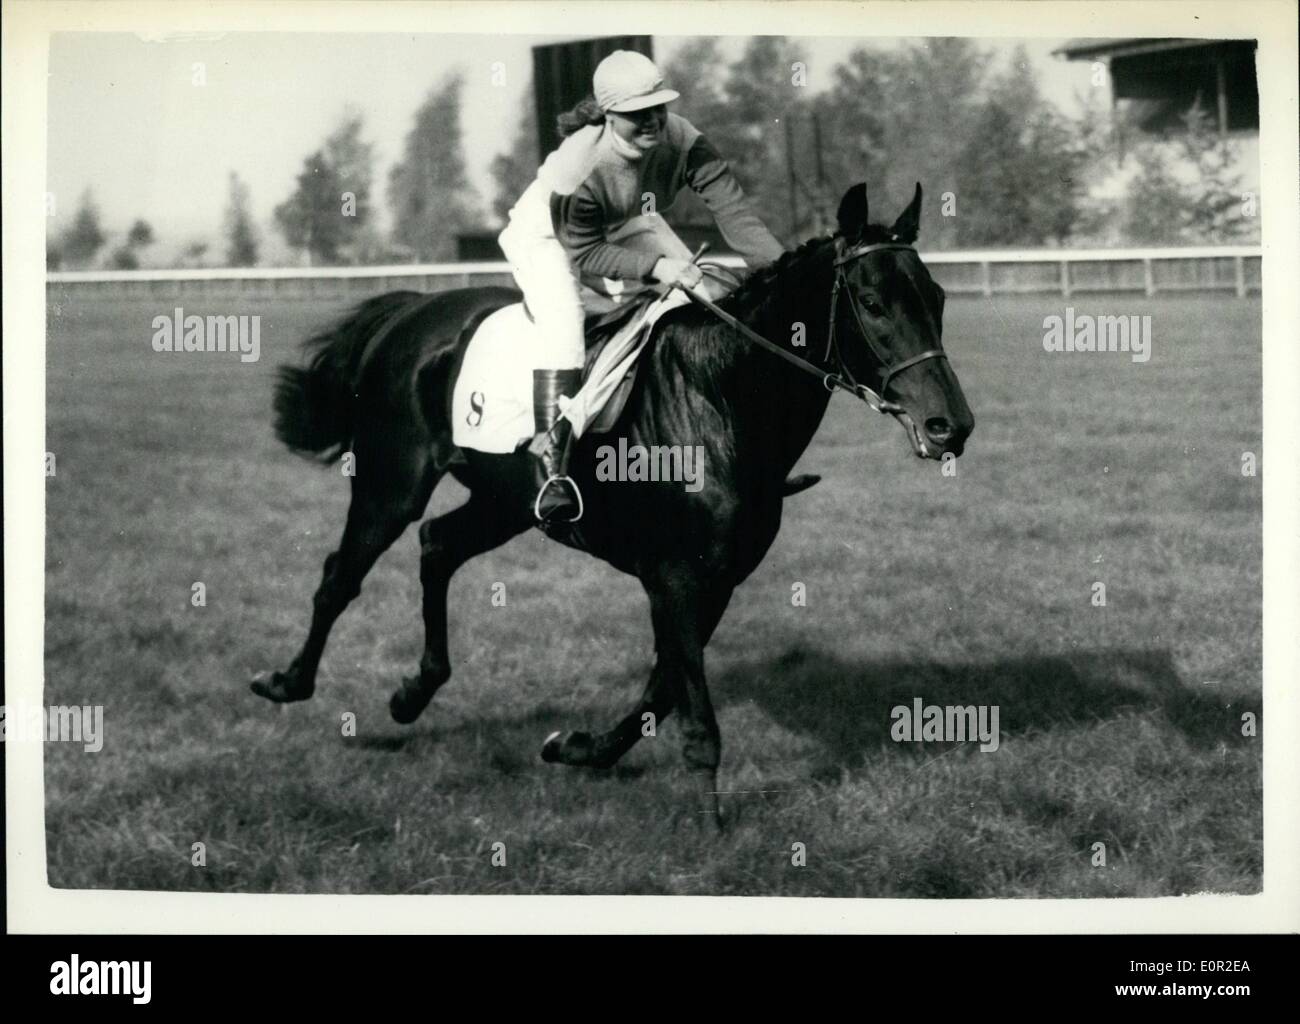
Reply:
x=908, y=225
x=852, y=216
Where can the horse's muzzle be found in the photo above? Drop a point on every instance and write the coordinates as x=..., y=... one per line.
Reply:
x=945, y=436
x=937, y=438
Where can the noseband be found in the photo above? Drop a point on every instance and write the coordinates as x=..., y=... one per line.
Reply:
x=844, y=379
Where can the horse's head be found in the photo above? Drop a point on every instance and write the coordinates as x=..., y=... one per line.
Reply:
x=887, y=327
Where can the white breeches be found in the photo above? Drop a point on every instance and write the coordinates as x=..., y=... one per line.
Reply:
x=549, y=282
x=544, y=274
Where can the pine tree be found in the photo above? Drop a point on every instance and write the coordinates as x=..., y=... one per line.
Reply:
x=761, y=97
x=141, y=234
x=432, y=200
x=351, y=159
x=86, y=236
x=312, y=218
x=1021, y=167
x=241, y=235
x=514, y=171
x=1188, y=188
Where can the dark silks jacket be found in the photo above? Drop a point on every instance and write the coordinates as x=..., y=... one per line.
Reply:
x=596, y=190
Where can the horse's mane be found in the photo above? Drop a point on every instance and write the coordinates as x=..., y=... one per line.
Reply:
x=758, y=284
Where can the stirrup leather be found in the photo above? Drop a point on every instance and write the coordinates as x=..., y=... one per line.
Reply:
x=549, y=386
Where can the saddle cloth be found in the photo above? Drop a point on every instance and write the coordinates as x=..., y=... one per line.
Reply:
x=492, y=399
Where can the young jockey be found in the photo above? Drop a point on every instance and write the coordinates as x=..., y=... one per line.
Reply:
x=623, y=161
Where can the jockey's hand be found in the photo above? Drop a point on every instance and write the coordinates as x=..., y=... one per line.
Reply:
x=680, y=272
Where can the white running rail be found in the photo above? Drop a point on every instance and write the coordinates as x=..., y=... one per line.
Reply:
x=988, y=272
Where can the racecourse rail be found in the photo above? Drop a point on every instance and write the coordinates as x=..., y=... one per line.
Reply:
x=993, y=272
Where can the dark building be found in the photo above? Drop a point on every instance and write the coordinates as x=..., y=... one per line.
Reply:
x=562, y=76
x=1159, y=80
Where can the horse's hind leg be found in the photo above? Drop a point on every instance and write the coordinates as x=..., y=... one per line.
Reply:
x=385, y=499
x=446, y=543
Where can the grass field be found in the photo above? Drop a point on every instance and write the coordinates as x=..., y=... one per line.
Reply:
x=1120, y=725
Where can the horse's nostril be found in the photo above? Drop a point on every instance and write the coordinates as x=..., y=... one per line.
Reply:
x=938, y=428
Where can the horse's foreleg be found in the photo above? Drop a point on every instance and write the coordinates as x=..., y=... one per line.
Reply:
x=657, y=701
x=446, y=543
x=585, y=750
x=683, y=605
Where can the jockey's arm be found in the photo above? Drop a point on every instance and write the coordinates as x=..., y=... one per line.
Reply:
x=580, y=221
x=710, y=176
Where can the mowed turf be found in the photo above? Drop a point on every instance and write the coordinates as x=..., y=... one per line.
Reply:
x=1120, y=725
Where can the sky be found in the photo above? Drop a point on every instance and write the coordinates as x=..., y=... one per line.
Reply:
x=128, y=119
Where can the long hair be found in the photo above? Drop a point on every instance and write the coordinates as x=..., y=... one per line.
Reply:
x=585, y=112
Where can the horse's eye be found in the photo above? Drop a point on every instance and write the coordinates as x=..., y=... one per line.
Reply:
x=873, y=307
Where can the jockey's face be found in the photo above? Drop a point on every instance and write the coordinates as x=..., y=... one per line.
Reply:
x=642, y=128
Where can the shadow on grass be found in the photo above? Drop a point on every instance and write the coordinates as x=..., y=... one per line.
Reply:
x=507, y=744
x=846, y=705
x=431, y=729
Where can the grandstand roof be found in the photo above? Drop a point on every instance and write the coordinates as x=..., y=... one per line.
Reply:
x=1090, y=49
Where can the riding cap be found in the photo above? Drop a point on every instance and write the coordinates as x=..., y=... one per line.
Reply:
x=626, y=81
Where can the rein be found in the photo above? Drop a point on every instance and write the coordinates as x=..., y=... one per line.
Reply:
x=844, y=378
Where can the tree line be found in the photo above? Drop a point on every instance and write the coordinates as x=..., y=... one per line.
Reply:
x=1001, y=164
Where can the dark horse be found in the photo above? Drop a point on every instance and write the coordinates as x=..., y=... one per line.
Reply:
x=379, y=385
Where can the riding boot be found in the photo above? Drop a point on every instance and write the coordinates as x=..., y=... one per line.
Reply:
x=558, y=500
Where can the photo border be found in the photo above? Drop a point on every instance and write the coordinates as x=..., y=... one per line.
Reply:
x=35, y=907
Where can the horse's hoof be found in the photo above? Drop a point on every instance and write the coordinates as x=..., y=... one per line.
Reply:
x=551, y=748
x=574, y=748
x=274, y=686
x=409, y=701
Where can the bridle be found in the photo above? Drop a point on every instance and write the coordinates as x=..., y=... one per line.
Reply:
x=844, y=379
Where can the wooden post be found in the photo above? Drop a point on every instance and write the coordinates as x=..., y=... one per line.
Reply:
x=1065, y=278
x=1150, y=278
x=1221, y=82
x=793, y=183
x=823, y=191
x=988, y=277
x=1117, y=125
x=1240, y=267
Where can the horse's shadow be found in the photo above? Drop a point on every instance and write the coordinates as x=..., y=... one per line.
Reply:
x=502, y=742
x=845, y=705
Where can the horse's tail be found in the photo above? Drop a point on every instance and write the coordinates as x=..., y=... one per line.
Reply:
x=315, y=408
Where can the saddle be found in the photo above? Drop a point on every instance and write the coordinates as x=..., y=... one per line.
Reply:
x=599, y=329
x=491, y=387
x=602, y=327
